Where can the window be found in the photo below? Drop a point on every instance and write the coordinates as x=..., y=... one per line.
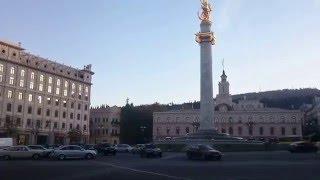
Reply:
x=30, y=98
x=57, y=102
x=79, y=106
x=12, y=70
x=56, y=113
x=66, y=84
x=20, y=96
x=73, y=87
x=18, y=122
x=63, y=125
x=71, y=115
x=177, y=131
x=32, y=75
x=78, y=116
x=39, y=99
x=1, y=68
x=31, y=85
x=58, y=82
x=80, y=89
x=9, y=107
x=294, y=131
x=11, y=80
x=47, y=124
x=187, y=130
x=9, y=94
x=84, y=127
x=41, y=78
x=48, y=100
x=230, y=130
x=22, y=73
x=271, y=130
x=49, y=89
x=239, y=130
x=40, y=87
x=1, y=78
x=55, y=125
x=19, y=108
x=50, y=80
x=28, y=122
x=86, y=107
x=261, y=130
x=72, y=105
x=85, y=117
x=57, y=91
x=65, y=92
x=283, y=131
x=39, y=111
x=64, y=114
x=38, y=124
x=78, y=127
x=70, y=126
x=21, y=84
x=250, y=130
x=29, y=110
x=48, y=112
x=64, y=103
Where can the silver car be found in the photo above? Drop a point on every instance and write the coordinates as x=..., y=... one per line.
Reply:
x=14, y=152
x=72, y=152
x=44, y=152
x=123, y=148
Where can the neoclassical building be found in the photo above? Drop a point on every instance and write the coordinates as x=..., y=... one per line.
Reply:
x=41, y=100
x=105, y=124
x=246, y=118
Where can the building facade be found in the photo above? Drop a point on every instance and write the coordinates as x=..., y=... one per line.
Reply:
x=246, y=118
x=105, y=124
x=41, y=101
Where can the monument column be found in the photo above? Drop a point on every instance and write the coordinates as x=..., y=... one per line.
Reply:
x=206, y=39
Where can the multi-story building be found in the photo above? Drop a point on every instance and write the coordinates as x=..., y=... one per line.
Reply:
x=246, y=118
x=105, y=124
x=41, y=100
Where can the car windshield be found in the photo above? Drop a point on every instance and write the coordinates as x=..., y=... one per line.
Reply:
x=205, y=147
x=37, y=147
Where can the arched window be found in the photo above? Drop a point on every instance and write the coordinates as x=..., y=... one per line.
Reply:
x=240, y=130
x=187, y=130
x=230, y=130
x=9, y=107
x=261, y=130
x=56, y=113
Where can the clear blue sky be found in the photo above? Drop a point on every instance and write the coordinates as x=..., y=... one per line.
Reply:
x=145, y=50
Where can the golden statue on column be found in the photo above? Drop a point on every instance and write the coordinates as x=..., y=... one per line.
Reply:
x=206, y=11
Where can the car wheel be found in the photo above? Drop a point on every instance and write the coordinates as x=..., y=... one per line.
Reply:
x=61, y=157
x=6, y=157
x=36, y=157
x=89, y=156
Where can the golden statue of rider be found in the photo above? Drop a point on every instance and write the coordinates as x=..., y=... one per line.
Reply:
x=206, y=11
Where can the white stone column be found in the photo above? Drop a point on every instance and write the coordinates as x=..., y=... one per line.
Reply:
x=206, y=39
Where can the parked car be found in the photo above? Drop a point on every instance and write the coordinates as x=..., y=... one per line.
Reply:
x=302, y=146
x=123, y=148
x=203, y=151
x=150, y=150
x=15, y=152
x=44, y=151
x=72, y=152
x=52, y=146
x=105, y=148
x=137, y=148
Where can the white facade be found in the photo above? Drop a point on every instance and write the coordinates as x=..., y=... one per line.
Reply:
x=247, y=118
x=41, y=99
x=105, y=124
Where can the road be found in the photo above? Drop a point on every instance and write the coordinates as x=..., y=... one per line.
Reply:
x=234, y=166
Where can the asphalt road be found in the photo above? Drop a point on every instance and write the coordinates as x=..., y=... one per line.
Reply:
x=234, y=166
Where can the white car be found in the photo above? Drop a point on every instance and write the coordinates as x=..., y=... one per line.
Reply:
x=14, y=152
x=72, y=152
x=123, y=148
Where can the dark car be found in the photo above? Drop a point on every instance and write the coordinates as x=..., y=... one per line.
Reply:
x=150, y=150
x=302, y=146
x=137, y=148
x=105, y=148
x=203, y=151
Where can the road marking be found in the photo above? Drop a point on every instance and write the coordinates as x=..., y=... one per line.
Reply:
x=141, y=171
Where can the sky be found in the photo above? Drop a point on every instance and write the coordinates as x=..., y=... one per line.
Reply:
x=146, y=51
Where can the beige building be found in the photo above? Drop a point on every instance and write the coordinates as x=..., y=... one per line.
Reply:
x=105, y=124
x=247, y=118
x=41, y=100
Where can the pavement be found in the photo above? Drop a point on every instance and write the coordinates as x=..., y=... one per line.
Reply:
x=172, y=166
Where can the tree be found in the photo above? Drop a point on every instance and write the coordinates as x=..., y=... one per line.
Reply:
x=75, y=136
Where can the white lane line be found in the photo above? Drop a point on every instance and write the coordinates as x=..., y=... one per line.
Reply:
x=141, y=171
